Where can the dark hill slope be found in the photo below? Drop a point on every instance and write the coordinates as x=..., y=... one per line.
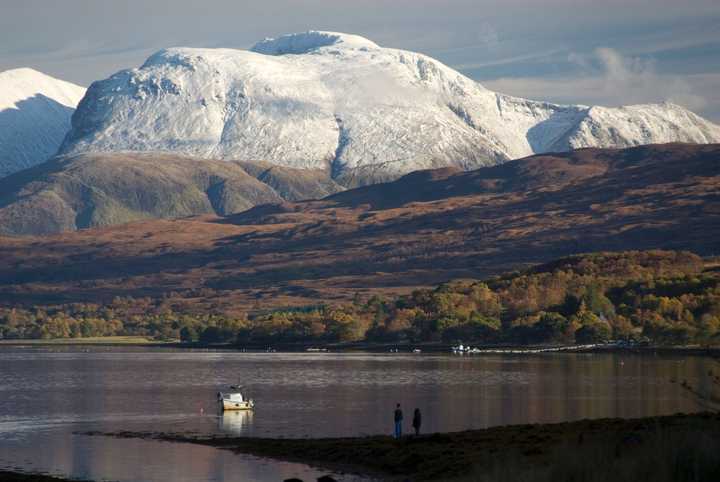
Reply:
x=546, y=172
x=421, y=230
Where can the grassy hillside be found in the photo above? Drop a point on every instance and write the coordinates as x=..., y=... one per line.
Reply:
x=664, y=297
x=91, y=190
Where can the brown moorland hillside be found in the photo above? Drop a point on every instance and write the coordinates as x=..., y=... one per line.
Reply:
x=423, y=229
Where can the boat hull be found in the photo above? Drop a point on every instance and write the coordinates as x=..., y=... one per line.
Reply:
x=230, y=405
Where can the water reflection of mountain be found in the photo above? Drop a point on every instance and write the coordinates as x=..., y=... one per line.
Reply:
x=236, y=423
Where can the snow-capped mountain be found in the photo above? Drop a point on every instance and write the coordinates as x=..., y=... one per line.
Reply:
x=35, y=111
x=342, y=103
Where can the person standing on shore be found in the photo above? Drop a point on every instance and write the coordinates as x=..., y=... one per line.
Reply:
x=417, y=421
x=398, y=421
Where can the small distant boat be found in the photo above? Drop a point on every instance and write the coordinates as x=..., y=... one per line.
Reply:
x=461, y=349
x=417, y=350
x=234, y=400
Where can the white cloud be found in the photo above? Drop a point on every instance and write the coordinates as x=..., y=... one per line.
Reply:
x=633, y=80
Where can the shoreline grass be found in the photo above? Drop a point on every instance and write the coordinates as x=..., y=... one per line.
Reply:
x=95, y=340
x=361, y=347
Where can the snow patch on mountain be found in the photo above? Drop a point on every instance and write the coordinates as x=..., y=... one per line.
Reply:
x=302, y=43
x=326, y=100
x=639, y=124
x=35, y=111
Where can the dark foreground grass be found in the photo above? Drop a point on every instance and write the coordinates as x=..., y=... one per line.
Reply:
x=673, y=448
x=10, y=476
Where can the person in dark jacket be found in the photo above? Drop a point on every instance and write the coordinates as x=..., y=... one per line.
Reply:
x=417, y=421
x=398, y=421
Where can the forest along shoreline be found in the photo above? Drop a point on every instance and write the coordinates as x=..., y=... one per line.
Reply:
x=678, y=447
x=658, y=298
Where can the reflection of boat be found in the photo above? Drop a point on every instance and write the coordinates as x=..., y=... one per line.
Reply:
x=234, y=400
x=236, y=422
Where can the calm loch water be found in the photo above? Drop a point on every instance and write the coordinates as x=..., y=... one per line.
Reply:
x=47, y=394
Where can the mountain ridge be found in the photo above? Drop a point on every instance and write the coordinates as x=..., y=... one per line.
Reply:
x=341, y=103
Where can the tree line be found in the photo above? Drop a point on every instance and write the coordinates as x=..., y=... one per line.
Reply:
x=664, y=297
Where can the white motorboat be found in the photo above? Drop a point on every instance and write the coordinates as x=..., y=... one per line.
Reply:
x=234, y=400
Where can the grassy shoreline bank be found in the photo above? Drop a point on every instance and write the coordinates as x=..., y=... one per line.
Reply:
x=95, y=340
x=426, y=348
x=677, y=447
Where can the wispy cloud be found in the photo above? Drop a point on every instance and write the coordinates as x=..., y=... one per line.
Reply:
x=507, y=60
x=631, y=80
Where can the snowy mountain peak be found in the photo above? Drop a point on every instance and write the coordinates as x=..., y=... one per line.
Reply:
x=302, y=43
x=35, y=111
x=339, y=102
x=23, y=83
x=21, y=74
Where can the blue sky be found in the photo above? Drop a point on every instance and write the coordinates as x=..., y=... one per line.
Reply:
x=606, y=52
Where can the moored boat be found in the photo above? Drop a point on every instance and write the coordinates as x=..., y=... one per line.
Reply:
x=234, y=400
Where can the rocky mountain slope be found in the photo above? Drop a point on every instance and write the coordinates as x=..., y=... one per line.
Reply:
x=292, y=184
x=341, y=103
x=88, y=190
x=420, y=230
x=35, y=112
